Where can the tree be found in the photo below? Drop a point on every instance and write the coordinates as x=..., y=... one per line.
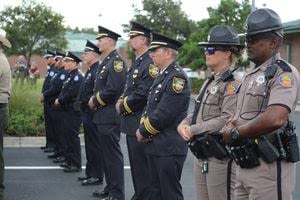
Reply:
x=165, y=17
x=229, y=12
x=32, y=28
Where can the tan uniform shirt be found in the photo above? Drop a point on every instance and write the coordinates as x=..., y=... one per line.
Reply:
x=254, y=98
x=218, y=104
x=5, y=79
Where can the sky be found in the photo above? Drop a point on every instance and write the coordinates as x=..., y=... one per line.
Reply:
x=113, y=13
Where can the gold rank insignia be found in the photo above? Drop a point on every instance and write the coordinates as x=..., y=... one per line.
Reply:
x=118, y=66
x=153, y=71
x=178, y=84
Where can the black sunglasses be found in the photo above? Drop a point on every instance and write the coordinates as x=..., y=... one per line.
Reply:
x=212, y=50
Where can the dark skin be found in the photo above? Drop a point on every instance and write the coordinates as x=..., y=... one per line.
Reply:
x=275, y=116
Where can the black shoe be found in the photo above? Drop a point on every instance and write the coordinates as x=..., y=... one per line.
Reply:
x=43, y=147
x=49, y=149
x=53, y=155
x=103, y=194
x=72, y=168
x=92, y=181
x=59, y=159
x=64, y=165
x=82, y=178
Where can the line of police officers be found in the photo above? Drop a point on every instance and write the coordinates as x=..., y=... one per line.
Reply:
x=240, y=132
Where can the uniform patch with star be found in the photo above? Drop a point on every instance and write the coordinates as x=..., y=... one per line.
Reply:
x=285, y=80
x=178, y=84
x=153, y=71
x=118, y=66
x=231, y=88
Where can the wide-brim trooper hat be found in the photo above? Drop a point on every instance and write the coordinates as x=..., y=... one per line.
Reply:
x=263, y=20
x=222, y=35
x=3, y=39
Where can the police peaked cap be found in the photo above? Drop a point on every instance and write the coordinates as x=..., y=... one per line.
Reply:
x=159, y=40
x=263, y=20
x=222, y=35
x=49, y=53
x=59, y=54
x=72, y=57
x=89, y=46
x=138, y=29
x=104, y=32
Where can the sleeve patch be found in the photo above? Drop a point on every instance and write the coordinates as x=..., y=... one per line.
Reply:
x=231, y=88
x=285, y=79
x=118, y=66
x=178, y=84
x=153, y=71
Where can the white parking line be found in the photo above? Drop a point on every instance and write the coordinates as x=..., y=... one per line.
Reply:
x=44, y=167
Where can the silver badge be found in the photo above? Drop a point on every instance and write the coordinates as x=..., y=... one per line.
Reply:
x=214, y=89
x=51, y=73
x=62, y=77
x=260, y=79
x=76, y=78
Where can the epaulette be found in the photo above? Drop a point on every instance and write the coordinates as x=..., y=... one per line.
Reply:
x=283, y=65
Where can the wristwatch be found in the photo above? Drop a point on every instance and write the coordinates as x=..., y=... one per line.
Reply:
x=235, y=135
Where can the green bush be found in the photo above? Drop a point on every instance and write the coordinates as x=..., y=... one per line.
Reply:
x=196, y=85
x=25, y=110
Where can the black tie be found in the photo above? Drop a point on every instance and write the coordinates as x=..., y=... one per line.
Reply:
x=199, y=100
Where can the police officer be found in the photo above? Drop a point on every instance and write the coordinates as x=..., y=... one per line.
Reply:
x=109, y=85
x=215, y=104
x=265, y=105
x=71, y=115
x=50, y=144
x=139, y=79
x=49, y=96
x=94, y=165
x=167, y=106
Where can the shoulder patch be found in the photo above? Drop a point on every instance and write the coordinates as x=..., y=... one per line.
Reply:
x=153, y=70
x=285, y=79
x=231, y=88
x=178, y=84
x=118, y=66
x=62, y=77
x=76, y=78
x=284, y=66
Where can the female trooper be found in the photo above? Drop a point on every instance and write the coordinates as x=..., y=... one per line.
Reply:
x=215, y=104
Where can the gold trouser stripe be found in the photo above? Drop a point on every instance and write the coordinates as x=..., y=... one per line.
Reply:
x=149, y=127
x=126, y=105
x=101, y=102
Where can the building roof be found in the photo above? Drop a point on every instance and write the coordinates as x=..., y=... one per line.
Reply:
x=77, y=41
x=291, y=26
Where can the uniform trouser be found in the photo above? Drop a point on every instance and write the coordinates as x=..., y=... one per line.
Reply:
x=165, y=172
x=59, y=130
x=260, y=183
x=139, y=167
x=72, y=123
x=49, y=126
x=94, y=164
x=213, y=184
x=109, y=135
x=3, y=126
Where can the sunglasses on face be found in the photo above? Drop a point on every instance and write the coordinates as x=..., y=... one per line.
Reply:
x=212, y=50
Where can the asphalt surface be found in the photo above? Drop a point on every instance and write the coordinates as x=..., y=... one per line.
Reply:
x=30, y=175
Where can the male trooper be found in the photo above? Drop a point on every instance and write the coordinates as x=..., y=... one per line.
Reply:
x=261, y=135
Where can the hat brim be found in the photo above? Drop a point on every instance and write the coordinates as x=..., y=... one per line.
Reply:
x=5, y=41
x=205, y=44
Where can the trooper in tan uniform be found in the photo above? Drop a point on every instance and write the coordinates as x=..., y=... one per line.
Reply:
x=212, y=111
x=261, y=135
